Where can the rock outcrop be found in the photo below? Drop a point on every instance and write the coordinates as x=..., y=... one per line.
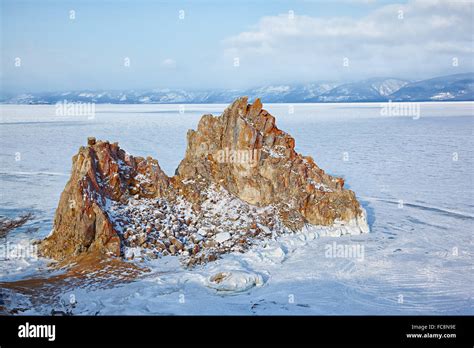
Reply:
x=100, y=172
x=241, y=181
x=244, y=151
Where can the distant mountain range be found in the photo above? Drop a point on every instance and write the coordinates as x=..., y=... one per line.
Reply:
x=459, y=87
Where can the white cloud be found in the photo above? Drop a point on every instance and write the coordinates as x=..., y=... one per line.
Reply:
x=168, y=63
x=417, y=39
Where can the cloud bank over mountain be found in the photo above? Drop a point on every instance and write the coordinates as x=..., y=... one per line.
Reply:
x=207, y=45
x=413, y=40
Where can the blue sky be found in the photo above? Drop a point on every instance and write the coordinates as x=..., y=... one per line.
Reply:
x=200, y=50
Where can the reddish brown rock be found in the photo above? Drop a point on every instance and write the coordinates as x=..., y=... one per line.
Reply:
x=265, y=168
x=242, y=151
x=100, y=171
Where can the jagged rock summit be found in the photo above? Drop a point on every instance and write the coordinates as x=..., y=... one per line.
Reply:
x=241, y=181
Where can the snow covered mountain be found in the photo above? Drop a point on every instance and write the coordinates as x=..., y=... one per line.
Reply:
x=377, y=89
x=105, y=97
x=452, y=87
x=271, y=94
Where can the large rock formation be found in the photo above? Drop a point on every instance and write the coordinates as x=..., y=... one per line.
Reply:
x=244, y=151
x=240, y=181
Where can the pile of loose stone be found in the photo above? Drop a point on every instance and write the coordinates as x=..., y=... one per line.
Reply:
x=151, y=228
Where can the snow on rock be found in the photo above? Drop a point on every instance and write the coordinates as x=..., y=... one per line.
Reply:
x=274, y=253
x=234, y=281
x=212, y=206
x=222, y=237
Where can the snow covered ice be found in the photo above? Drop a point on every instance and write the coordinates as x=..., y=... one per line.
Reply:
x=413, y=177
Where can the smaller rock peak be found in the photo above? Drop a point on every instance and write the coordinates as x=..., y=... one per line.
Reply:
x=239, y=106
x=257, y=103
x=91, y=141
x=255, y=108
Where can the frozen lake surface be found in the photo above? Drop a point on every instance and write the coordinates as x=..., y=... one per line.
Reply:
x=414, y=176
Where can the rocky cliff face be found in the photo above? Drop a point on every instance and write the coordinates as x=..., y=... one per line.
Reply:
x=101, y=172
x=244, y=151
x=241, y=181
